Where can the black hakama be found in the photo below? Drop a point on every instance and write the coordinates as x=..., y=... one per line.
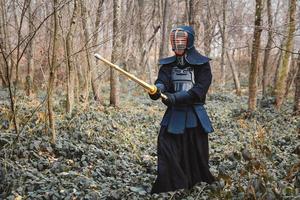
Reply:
x=182, y=160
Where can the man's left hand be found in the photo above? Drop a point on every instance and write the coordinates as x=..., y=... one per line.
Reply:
x=170, y=100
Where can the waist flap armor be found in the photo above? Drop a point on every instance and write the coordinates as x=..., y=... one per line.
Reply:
x=177, y=119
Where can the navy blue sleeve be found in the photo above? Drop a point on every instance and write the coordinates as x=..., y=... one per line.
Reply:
x=203, y=78
x=163, y=78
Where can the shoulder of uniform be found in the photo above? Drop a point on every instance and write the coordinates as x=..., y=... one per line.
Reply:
x=193, y=57
x=167, y=60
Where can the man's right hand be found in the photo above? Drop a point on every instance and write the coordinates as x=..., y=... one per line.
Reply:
x=156, y=95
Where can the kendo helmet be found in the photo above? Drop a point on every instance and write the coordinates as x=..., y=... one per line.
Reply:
x=182, y=42
x=182, y=39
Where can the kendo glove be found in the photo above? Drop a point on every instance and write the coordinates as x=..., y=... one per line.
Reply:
x=179, y=98
x=156, y=95
x=160, y=89
x=170, y=99
x=185, y=98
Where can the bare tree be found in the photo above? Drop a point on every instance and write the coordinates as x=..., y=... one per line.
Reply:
x=52, y=73
x=30, y=61
x=224, y=38
x=19, y=40
x=291, y=75
x=209, y=27
x=70, y=60
x=164, y=33
x=4, y=47
x=147, y=49
x=194, y=12
x=255, y=56
x=234, y=73
x=286, y=55
x=4, y=74
x=267, y=49
x=297, y=90
x=85, y=26
x=97, y=96
x=141, y=31
x=116, y=54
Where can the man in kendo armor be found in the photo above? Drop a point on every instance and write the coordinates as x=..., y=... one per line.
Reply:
x=183, y=138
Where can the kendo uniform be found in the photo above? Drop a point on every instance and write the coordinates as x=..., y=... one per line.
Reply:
x=183, y=137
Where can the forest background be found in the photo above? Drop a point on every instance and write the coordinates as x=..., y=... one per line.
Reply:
x=52, y=88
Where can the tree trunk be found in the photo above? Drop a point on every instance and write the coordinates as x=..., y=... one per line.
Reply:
x=297, y=90
x=234, y=74
x=224, y=39
x=19, y=39
x=141, y=34
x=85, y=27
x=3, y=43
x=190, y=12
x=267, y=50
x=291, y=76
x=30, y=61
x=277, y=61
x=255, y=56
x=209, y=27
x=52, y=74
x=147, y=49
x=285, y=62
x=78, y=81
x=124, y=37
x=193, y=13
x=70, y=60
x=192, y=16
x=7, y=42
x=4, y=47
x=163, y=49
x=95, y=87
x=16, y=25
x=116, y=53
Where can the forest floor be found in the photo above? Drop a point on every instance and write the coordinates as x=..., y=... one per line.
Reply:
x=110, y=153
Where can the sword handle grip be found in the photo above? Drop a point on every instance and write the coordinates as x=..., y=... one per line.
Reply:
x=163, y=96
x=153, y=90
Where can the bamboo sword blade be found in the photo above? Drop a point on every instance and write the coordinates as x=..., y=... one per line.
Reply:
x=150, y=88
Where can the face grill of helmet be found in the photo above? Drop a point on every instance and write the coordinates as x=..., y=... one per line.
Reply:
x=179, y=39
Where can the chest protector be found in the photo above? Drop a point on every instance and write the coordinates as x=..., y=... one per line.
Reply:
x=182, y=79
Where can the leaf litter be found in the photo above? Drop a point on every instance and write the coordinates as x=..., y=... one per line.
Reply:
x=110, y=153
